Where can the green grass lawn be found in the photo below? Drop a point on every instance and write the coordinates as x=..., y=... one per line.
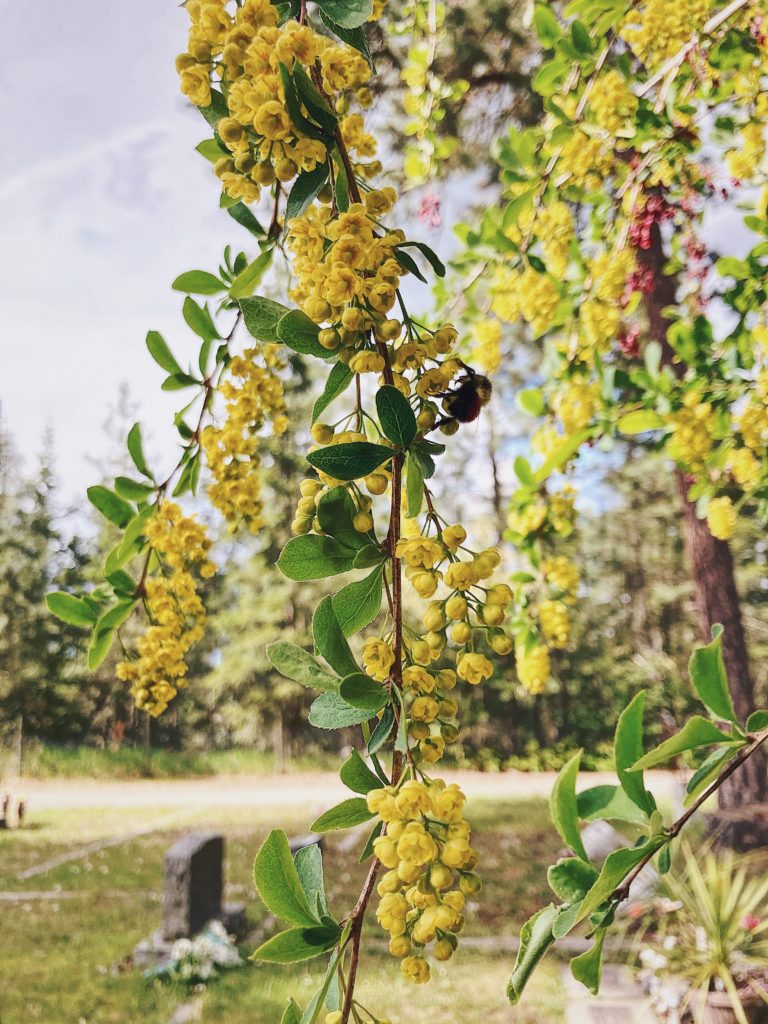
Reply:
x=66, y=960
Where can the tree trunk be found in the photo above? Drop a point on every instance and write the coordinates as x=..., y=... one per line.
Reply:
x=710, y=560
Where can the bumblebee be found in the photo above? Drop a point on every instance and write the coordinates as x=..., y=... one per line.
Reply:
x=465, y=401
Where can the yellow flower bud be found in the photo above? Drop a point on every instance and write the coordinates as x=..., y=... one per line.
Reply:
x=461, y=632
x=322, y=433
x=434, y=617
x=443, y=950
x=363, y=522
x=456, y=607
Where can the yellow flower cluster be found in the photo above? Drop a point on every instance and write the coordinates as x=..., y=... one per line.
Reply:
x=554, y=229
x=542, y=601
x=175, y=610
x=253, y=394
x=586, y=160
x=533, y=667
x=612, y=102
x=575, y=404
x=563, y=575
x=745, y=469
x=745, y=163
x=246, y=48
x=656, y=29
x=430, y=869
x=721, y=517
x=554, y=622
x=527, y=294
x=693, y=427
x=486, y=351
x=544, y=514
x=346, y=268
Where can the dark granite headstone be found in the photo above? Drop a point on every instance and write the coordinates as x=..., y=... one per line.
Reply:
x=194, y=869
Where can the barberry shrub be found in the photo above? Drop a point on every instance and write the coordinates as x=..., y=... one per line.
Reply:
x=283, y=88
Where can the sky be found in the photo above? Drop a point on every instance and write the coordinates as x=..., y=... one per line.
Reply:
x=102, y=204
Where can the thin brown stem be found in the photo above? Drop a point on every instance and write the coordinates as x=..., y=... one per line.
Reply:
x=622, y=891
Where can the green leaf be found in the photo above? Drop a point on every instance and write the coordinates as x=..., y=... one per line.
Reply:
x=335, y=512
x=350, y=461
x=337, y=383
x=587, y=967
x=347, y=814
x=697, y=732
x=211, y=150
x=299, y=333
x=368, y=556
x=261, y=317
x=628, y=748
x=563, y=454
x=178, y=381
x=535, y=939
x=341, y=189
x=317, y=105
x=305, y=190
x=297, y=944
x=517, y=207
x=571, y=879
x=547, y=26
x=199, y=319
x=524, y=472
x=246, y=219
x=293, y=106
x=566, y=920
x=294, y=663
x=414, y=485
x=580, y=38
x=330, y=642
x=360, y=691
x=615, y=869
x=409, y=264
x=357, y=776
x=331, y=711
x=354, y=37
x=216, y=109
x=323, y=995
x=709, y=678
x=309, y=867
x=564, y=808
x=198, y=282
x=136, y=450
x=429, y=255
x=382, y=730
x=313, y=558
x=104, y=631
x=639, y=422
x=359, y=603
x=396, y=416
x=110, y=505
x=292, y=1013
x=160, y=352
x=133, y=490
x=706, y=772
x=248, y=278
x=347, y=13
x=367, y=850
x=278, y=883
x=757, y=721
x=70, y=609
x=532, y=401
x=609, y=803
